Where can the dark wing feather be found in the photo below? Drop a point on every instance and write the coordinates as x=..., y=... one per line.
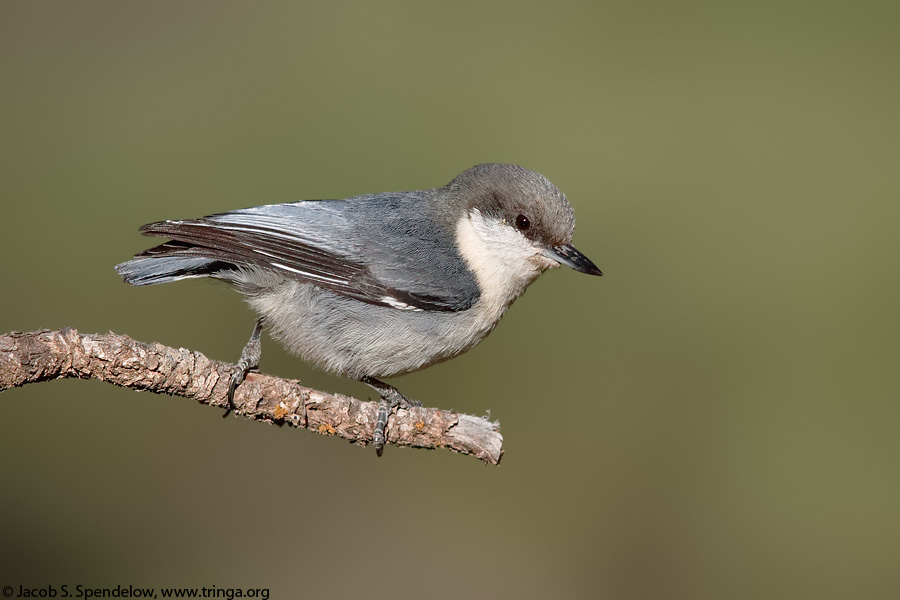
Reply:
x=314, y=242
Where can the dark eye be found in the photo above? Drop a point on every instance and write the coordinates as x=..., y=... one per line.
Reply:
x=522, y=223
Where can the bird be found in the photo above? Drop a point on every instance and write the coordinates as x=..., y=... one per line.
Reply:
x=376, y=285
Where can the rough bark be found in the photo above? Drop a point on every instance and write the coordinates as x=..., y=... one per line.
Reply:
x=121, y=360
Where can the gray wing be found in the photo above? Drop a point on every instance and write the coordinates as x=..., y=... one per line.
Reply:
x=367, y=248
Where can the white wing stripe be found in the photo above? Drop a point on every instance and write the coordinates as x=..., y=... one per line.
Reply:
x=309, y=275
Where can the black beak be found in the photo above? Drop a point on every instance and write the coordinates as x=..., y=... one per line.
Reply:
x=569, y=256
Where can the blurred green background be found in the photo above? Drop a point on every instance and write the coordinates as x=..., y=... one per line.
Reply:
x=715, y=418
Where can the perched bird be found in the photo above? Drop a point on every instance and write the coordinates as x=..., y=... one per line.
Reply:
x=380, y=284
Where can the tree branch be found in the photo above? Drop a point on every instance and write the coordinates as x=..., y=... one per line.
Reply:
x=120, y=360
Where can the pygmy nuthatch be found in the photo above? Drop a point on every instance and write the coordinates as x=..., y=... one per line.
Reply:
x=381, y=284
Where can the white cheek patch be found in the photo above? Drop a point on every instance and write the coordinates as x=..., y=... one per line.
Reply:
x=504, y=261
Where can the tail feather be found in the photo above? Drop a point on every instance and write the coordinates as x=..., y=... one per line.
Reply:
x=149, y=270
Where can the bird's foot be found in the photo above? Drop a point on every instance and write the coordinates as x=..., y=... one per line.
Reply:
x=391, y=398
x=249, y=361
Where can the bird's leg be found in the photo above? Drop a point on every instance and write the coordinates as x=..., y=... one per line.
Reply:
x=390, y=399
x=249, y=361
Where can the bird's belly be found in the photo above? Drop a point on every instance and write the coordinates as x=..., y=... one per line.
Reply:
x=352, y=338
